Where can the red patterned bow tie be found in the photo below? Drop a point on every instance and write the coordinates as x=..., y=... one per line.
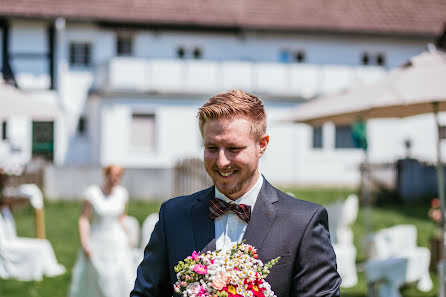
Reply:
x=218, y=207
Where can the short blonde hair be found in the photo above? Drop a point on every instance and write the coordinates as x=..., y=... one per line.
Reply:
x=232, y=104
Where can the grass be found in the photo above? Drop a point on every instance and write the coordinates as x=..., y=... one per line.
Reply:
x=381, y=217
x=61, y=229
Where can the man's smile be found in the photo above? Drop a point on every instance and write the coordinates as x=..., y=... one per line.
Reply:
x=226, y=174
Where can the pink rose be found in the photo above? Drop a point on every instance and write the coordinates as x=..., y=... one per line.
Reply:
x=200, y=269
x=225, y=276
x=218, y=283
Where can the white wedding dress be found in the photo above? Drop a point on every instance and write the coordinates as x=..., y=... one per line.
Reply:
x=110, y=271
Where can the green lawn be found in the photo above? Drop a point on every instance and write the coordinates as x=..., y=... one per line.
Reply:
x=61, y=228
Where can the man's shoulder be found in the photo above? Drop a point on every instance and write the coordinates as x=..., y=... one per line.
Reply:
x=188, y=200
x=288, y=199
x=296, y=210
x=299, y=201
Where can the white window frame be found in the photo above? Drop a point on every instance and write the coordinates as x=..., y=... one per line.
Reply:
x=138, y=143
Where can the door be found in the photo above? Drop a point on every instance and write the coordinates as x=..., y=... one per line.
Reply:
x=43, y=140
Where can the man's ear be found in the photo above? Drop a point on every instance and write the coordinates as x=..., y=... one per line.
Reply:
x=263, y=143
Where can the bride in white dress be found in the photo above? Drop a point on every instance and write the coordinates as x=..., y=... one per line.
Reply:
x=104, y=267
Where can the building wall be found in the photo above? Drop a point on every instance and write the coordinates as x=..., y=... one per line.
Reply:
x=290, y=157
x=389, y=135
x=319, y=49
x=70, y=182
x=176, y=131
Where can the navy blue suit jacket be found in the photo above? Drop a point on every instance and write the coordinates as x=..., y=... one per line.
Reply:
x=280, y=225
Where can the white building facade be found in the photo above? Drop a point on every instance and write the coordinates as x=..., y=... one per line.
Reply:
x=129, y=94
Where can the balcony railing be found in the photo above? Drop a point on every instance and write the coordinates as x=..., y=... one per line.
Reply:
x=199, y=77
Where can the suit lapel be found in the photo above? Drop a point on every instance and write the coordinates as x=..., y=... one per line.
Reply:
x=204, y=230
x=263, y=216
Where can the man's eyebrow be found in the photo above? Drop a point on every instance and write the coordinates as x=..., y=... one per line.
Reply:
x=237, y=145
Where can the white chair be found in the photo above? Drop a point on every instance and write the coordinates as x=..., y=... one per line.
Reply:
x=33, y=193
x=340, y=216
x=24, y=258
x=35, y=197
x=147, y=227
x=146, y=231
x=385, y=276
x=132, y=225
x=334, y=217
x=350, y=210
x=346, y=261
x=400, y=241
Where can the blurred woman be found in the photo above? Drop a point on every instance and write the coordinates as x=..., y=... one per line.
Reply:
x=104, y=266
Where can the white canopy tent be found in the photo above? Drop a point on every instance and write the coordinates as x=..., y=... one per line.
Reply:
x=408, y=90
x=16, y=102
x=417, y=87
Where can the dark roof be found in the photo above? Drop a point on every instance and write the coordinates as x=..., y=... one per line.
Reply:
x=409, y=17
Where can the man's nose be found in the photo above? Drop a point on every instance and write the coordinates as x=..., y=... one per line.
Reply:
x=222, y=160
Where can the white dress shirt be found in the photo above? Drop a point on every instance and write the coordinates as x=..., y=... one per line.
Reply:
x=229, y=228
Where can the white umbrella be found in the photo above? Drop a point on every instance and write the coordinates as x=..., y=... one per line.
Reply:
x=408, y=90
x=417, y=87
x=16, y=102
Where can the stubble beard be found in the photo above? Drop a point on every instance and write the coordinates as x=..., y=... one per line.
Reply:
x=226, y=188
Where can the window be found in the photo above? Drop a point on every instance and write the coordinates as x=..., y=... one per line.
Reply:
x=284, y=56
x=143, y=131
x=124, y=46
x=380, y=60
x=4, y=131
x=43, y=139
x=297, y=56
x=317, y=137
x=197, y=53
x=82, y=126
x=181, y=52
x=80, y=54
x=343, y=137
x=189, y=53
x=365, y=59
x=377, y=59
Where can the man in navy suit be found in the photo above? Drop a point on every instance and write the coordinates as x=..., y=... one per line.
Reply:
x=241, y=205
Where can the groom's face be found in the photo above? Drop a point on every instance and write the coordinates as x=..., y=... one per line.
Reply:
x=231, y=155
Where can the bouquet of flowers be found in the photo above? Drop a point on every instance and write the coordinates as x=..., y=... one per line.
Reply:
x=224, y=273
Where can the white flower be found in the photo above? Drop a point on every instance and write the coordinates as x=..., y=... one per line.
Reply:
x=237, y=266
x=193, y=289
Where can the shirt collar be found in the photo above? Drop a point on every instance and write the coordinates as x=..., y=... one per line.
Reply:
x=249, y=198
